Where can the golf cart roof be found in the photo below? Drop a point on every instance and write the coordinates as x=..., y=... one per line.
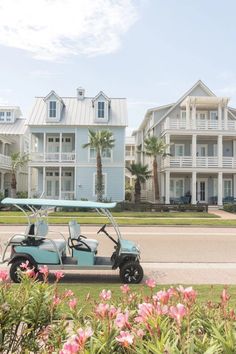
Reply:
x=57, y=203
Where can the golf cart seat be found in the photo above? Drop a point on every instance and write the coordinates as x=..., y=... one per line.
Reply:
x=41, y=232
x=74, y=231
x=19, y=238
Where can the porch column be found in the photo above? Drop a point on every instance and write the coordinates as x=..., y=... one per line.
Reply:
x=162, y=186
x=75, y=183
x=225, y=118
x=167, y=140
x=219, y=116
x=220, y=188
x=167, y=187
x=29, y=181
x=167, y=123
x=194, y=150
x=60, y=147
x=60, y=182
x=187, y=115
x=2, y=181
x=194, y=181
x=44, y=181
x=44, y=147
x=30, y=144
x=234, y=186
x=220, y=150
x=3, y=148
x=194, y=116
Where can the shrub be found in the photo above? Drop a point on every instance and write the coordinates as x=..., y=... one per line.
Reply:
x=22, y=195
x=36, y=318
x=231, y=208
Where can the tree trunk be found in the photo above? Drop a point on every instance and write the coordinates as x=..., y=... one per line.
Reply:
x=13, y=185
x=137, y=189
x=99, y=189
x=155, y=180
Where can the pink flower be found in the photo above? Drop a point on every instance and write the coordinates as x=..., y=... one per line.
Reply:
x=125, y=338
x=24, y=265
x=122, y=320
x=71, y=346
x=140, y=333
x=83, y=335
x=188, y=293
x=125, y=288
x=105, y=295
x=44, y=270
x=59, y=274
x=72, y=303
x=102, y=310
x=161, y=309
x=161, y=296
x=150, y=283
x=113, y=311
x=145, y=311
x=68, y=293
x=177, y=312
x=3, y=275
x=30, y=273
x=56, y=300
x=225, y=296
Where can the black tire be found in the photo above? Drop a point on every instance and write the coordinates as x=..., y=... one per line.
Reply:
x=15, y=267
x=131, y=273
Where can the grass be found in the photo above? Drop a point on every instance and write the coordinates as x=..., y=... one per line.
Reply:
x=205, y=292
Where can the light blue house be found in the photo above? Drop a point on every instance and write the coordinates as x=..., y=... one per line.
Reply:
x=59, y=166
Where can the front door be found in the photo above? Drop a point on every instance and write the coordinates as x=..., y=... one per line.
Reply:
x=52, y=184
x=201, y=190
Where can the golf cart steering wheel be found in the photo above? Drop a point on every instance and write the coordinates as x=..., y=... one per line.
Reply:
x=102, y=229
x=77, y=242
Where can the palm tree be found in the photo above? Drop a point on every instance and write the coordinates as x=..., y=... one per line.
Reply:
x=155, y=147
x=100, y=140
x=17, y=161
x=141, y=174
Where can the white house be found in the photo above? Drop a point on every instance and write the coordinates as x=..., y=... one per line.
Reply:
x=13, y=138
x=129, y=159
x=200, y=129
x=58, y=127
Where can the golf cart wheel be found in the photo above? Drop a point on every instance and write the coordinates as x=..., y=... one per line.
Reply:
x=15, y=268
x=131, y=273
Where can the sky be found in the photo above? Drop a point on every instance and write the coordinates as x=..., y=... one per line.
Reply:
x=149, y=51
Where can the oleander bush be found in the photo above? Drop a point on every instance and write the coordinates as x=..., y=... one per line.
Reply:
x=231, y=208
x=36, y=318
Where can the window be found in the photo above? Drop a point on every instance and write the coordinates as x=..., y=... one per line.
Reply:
x=176, y=187
x=104, y=180
x=227, y=188
x=106, y=153
x=52, y=109
x=50, y=140
x=101, y=109
x=179, y=149
x=213, y=115
x=2, y=116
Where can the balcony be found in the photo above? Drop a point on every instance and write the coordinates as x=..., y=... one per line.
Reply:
x=5, y=161
x=202, y=161
x=53, y=157
x=199, y=124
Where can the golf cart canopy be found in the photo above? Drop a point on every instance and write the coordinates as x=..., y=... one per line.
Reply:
x=57, y=203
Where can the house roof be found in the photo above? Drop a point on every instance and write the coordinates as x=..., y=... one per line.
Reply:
x=17, y=128
x=79, y=112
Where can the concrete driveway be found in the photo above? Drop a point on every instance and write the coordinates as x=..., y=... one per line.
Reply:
x=171, y=255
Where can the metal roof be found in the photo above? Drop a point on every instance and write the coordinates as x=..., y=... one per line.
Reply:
x=79, y=112
x=17, y=128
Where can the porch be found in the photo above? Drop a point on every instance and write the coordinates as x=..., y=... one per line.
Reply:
x=53, y=183
x=213, y=189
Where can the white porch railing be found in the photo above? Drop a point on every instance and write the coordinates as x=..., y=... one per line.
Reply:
x=201, y=161
x=68, y=195
x=5, y=160
x=52, y=156
x=199, y=124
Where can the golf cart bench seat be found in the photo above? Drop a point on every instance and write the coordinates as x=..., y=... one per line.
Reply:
x=48, y=245
x=74, y=232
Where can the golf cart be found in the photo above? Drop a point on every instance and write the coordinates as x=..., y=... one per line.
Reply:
x=77, y=252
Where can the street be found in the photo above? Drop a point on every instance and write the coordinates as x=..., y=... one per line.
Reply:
x=169, y=254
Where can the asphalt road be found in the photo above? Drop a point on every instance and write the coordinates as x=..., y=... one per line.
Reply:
x=169, y=254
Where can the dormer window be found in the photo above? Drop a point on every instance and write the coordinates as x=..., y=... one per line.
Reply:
x=2, y=116
x=101, y=109
x=52, y=109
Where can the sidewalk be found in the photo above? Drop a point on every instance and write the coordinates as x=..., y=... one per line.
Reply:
x=222, y=214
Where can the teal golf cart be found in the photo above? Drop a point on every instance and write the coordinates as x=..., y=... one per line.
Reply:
x=74, y=252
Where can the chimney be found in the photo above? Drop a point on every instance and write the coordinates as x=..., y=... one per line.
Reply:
x=80, y=93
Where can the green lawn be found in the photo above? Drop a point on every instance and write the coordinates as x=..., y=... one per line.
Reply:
x=205, y=292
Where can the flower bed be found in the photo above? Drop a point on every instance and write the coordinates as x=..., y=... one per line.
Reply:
x=36, y=318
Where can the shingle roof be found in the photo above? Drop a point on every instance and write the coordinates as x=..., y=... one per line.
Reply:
x=17, y=128
x=79, y=112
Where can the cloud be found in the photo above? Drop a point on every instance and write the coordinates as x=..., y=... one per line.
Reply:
x=54, y=29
